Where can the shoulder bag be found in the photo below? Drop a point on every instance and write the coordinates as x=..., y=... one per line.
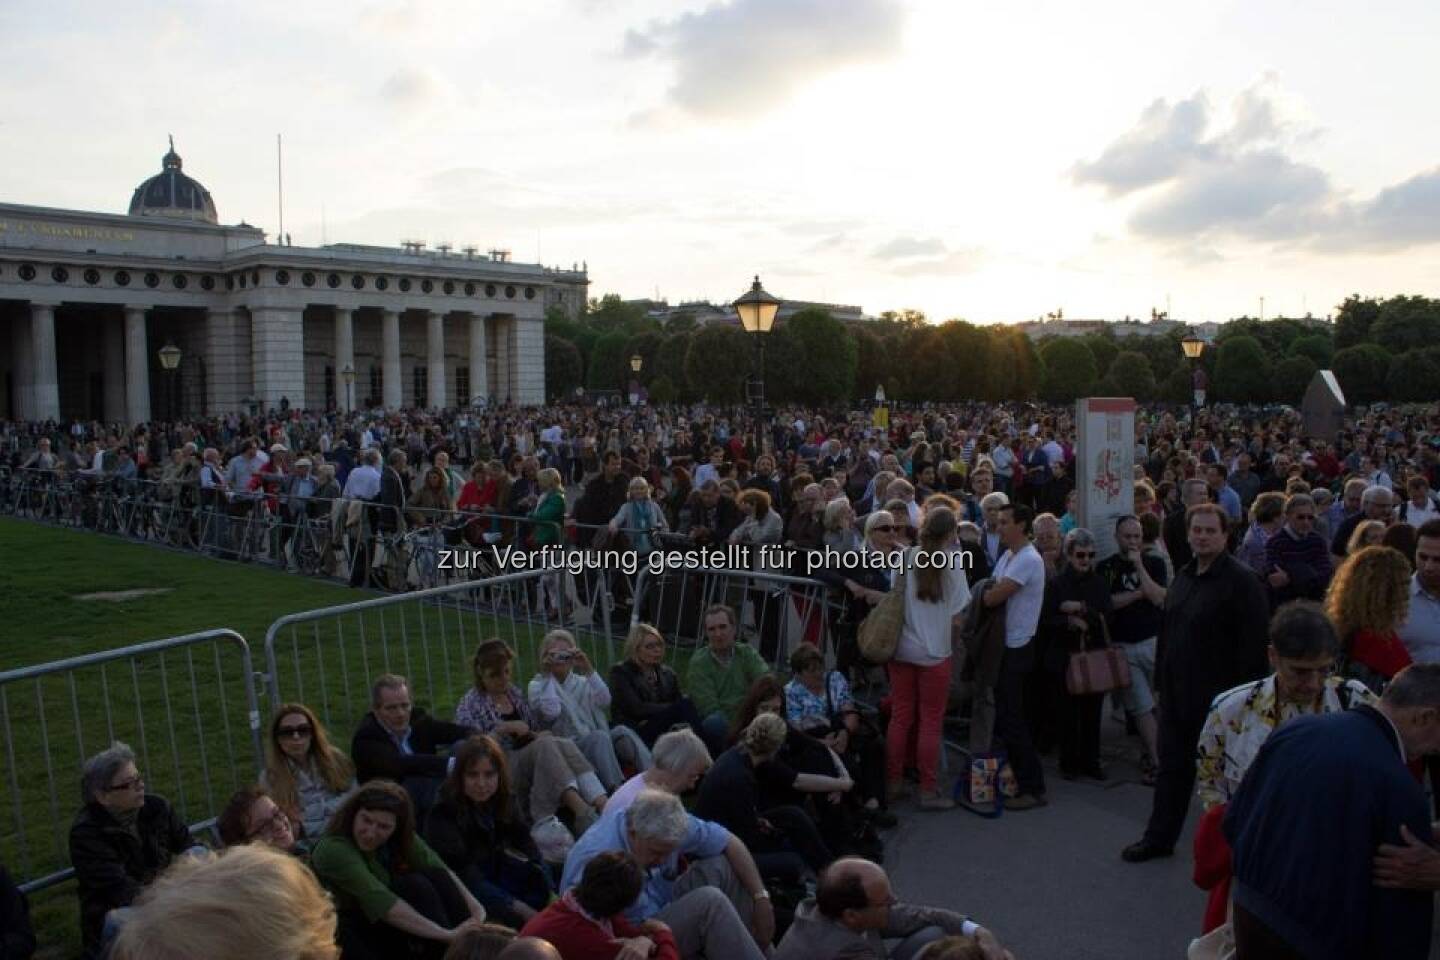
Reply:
x=1097, y=671
x=879, y=632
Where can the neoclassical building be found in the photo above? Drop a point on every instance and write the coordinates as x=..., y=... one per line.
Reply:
x=91, y=303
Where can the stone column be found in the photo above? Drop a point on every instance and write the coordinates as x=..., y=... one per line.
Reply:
x=344, y=357
x=137, y=366
x=528, y=359
x=227, y=372
x=434, y=359
x=24, y=367
x=45, y=381
x=390, y=358
x=504, y=326
x=277, y=356
x=113, y=357
x=478, y=374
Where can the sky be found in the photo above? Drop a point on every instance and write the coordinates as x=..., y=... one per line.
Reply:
x=994, y=162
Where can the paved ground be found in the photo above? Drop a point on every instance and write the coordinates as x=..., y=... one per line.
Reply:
x=1051, y=881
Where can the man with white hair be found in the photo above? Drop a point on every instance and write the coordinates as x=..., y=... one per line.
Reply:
x=718, y=908
x=990, y=506
x=1376, y=503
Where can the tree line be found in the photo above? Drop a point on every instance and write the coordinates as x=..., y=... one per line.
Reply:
x=1380, y=349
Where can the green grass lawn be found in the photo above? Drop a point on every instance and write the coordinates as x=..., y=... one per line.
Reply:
x=185, y=711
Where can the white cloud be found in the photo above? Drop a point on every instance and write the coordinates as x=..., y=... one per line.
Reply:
x=410, y=88
x=953, y=263
x=1198, y=182
x=747, y=56
x=905, y=247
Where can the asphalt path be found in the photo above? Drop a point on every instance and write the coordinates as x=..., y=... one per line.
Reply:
x=1050, y=881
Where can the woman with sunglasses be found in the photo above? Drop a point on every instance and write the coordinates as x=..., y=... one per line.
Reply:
x=121, y=840
x=1077, y=601
x=307, y=776
x=252, y=816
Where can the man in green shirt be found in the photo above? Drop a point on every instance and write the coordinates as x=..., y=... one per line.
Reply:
x=721, y=673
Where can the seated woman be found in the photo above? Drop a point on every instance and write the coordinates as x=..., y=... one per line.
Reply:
x=307, y=776
x=818, y=703
x=477, y=497
x=647, y=695
x=730, y=795
x=639, y=517
x=589, y=922
x=550, y=773
x=121, y=840
x=546, y=519
x=819, y=768
x=246, y=903
x=481, y=836
x=252, y=816
x=394, y=896
x=570, y=698
x=431, y=505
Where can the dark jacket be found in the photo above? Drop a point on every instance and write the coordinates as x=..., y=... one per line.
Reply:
x=17, y=934
x=632, y=701
x=377, y=756
x=984, y=635
x=721, y=519
x=1213, y=636
x=112, y=864
x=391, y=502
x=1061, y=639
x=462, y=836
x=1322, y=795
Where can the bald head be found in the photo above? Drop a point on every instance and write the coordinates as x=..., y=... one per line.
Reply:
x=529, y=948
x=856, y=893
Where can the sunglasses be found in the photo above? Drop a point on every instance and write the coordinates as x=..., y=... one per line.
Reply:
x=285, y=733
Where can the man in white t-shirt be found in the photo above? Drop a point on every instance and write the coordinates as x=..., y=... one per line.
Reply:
x=1420, y=507
x=1019, y=585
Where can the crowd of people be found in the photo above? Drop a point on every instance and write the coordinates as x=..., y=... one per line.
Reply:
x=1266, y=581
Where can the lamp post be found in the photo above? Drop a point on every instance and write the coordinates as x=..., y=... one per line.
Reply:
x=636, y=362
x=348, y=375
x=1193, y=347
x=170, y=362
x=757, y=310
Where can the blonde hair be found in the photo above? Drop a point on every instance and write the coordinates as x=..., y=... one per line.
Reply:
x=549, y=478
x=1358, y=535
x=765, y=735
x=247, y=903
x=1371, y=591
x=638, y=635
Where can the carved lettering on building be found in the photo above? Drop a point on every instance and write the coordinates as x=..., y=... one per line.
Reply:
x=29, y=228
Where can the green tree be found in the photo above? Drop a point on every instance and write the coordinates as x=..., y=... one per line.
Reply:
x=1407, y=323
x=828, y=357
x=1353, y=320
x=681, y=323
x=563, y=369
x=1291, y=377
x=872, y=362
x=1069, y=370
x=785, y=363
x=1412, y=377
x=1104, y=349
x=662, y=390
x=670, y=363
x=974, y=372
x=608, y=368
x=1362, y=370
x=1132, y=376
x=1242, y=373
x=1029, y=369
x=717, y=363
x=1317, y=346
x=1178, y=387
x=610, y=313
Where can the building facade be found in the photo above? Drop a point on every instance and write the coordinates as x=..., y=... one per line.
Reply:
x=89, y=302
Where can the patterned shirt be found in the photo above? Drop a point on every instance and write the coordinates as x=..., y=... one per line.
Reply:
x=1242, y=719
x=806, y=710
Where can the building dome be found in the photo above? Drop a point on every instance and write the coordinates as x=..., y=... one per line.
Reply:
x=172, y=194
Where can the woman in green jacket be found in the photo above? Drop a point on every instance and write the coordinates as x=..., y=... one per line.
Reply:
x=547, y=520
x=392, y=892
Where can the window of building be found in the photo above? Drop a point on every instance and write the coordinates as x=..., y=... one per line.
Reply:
x=462, y=386
x=422, y=385
x=329, y=385
x=377, y=384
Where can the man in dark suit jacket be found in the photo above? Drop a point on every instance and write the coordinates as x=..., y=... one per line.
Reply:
x=397, y=742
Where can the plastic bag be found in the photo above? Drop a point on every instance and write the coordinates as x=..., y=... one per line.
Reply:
x=553, y=839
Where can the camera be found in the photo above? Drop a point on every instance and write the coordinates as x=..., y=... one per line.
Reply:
x=562, y=656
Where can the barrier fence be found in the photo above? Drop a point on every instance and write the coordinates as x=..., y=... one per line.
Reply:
x=187, y=705
x=329, y=658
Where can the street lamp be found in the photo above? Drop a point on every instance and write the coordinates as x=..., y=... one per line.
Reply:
x=170, y=362
x=1193, y=346
x=636, y=362
x=348, y=375
x=757, y=310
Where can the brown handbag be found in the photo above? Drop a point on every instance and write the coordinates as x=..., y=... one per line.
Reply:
x=1097, y=671
x=879, y=632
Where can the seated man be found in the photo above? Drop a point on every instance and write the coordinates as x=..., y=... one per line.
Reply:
x=854, y=912
x=589, y=923
x=397, y=743
x=721, y=673
x=706, y=906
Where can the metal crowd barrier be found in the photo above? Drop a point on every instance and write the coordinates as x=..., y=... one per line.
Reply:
x=190, y=713
x=329, y=658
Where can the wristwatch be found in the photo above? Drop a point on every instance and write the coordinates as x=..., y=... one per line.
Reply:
x=762, y=895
